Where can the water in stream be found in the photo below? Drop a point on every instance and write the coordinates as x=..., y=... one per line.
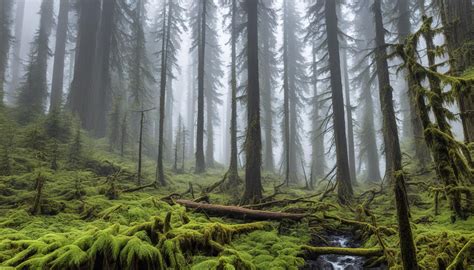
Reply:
x=338, y=262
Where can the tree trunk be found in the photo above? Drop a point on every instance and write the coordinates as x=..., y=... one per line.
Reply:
x=81, y=87
x=350, y=124
x=368, y=134
x=60, y=49
x=191, y=108
x=160, y=174
x=318, y=163
x=233, y=173
x=458, y=24
x=448, y=173
x=343, y=178
x=200, y=162
x=140, y=146
x=209, y=131
x=253, y=147
x=168, y=124
x=5, y=40
x=392, y=145
x=266, y=79
x=16, y=61
x=286, y=100
x=102, y=80
x=422, y=153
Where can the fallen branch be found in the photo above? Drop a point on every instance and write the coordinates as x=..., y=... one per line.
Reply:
x=212, y=187
x=462, y=255
x=153, y=184
x=276, y=192
x=283, y=202
x=368, y=226
x=362, y=252
x=239, y=212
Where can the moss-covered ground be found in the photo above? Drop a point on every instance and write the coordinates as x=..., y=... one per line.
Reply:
x=84, y=221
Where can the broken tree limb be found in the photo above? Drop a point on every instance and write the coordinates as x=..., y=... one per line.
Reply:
x=462, y=255
x=153, y=184
x=239, y=212
x=212, y=187
x=368, y=226
x=362, y=252
x=283, y=202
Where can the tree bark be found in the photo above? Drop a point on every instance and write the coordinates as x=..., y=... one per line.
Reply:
x=457, y=18
x=60, y=50
x=422, y=153
x=266, y=79
x=200, y=162
x=209, y=131
x=102, y=80
x=392, y=145
x=233, y=173
x=318, y=163
x=81, y=87
x=160, y=174
x=286, y=101
x=191, y=108
x=5, y=40
x=350, y=122
x=253, y=147
x=343, y=178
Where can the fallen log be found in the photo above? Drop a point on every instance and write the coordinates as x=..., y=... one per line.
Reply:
x=239, y=212
x=362, y=252
x=283, y=202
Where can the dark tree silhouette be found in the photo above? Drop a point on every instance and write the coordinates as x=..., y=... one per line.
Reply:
x=253, y=147
x=33, y=92
x=5, y=40
x=392, y=145
x=16, y=59
x=60, y=50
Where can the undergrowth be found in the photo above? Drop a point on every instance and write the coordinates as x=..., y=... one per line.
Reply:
x=78, y=224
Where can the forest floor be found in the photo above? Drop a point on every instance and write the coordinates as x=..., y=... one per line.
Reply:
x=83, y=218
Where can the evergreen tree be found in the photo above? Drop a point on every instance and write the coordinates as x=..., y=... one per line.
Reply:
x=33, y=92
x=204, y=38
x=367, y=133
x=318, y=161
x=139, y=67
x=5, y=40
x=422, y=153
x=458, y=22
x=212, y=83
x=253, y=144
x=110, y=47
x=269, y=72
x=171, y=26
x=16, y=60
x=392, y=146
x=79, y=99
x=329, y=23
x=293, y=91
x=60, y=50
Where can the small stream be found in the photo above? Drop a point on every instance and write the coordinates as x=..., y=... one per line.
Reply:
x=339, y=262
